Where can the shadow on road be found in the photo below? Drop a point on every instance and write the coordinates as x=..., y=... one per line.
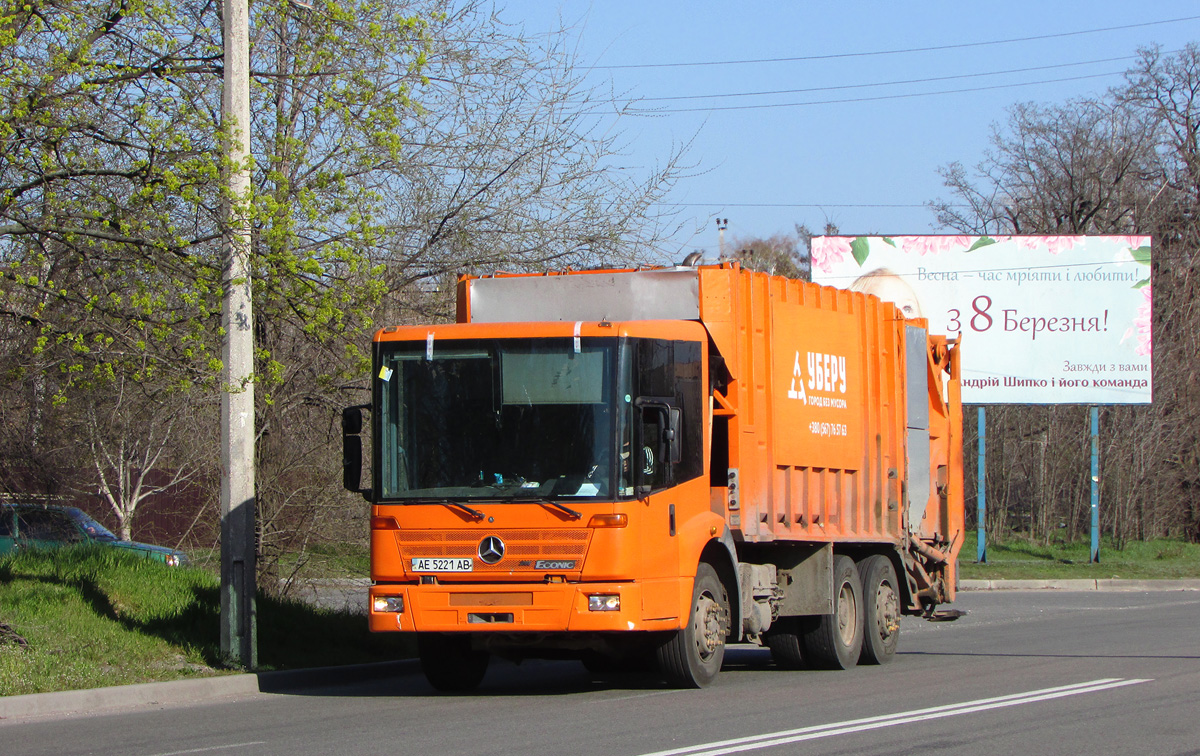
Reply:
x=532, y=677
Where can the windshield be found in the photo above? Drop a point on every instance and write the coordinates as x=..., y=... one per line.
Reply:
x=498, y=419
x=95, y=530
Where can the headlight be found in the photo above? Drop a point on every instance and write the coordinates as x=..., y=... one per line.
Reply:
x=393, y=604
x=604, y=602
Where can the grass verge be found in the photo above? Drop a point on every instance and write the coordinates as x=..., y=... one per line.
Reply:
x=92, y=617
x=1016, y=558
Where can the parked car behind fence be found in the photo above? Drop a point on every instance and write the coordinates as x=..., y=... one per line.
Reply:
x=41, y=526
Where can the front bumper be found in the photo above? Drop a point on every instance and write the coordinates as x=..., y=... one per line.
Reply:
x=540, y=607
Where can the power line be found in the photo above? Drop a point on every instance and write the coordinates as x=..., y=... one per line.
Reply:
x=877, y=98
x=887, y=83
x=833, y=56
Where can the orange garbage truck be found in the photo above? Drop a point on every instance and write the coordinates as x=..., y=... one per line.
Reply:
x=635, y=467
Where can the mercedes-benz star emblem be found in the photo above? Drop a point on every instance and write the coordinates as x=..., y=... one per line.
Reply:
x=491, y=550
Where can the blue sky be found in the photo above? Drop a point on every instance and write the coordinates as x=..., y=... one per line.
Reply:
x=867, y=165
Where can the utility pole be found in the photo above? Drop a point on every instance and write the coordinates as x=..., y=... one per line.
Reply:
x=239, y=643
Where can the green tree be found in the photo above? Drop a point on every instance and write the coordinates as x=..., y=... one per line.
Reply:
x=395, y=145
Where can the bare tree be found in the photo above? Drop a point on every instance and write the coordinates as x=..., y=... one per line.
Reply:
x=135, y=451
x=1078, y=168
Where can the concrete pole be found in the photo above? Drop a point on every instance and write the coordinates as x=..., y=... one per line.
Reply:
x=239, y=643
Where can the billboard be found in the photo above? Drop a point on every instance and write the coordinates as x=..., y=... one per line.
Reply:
x=1043, y=319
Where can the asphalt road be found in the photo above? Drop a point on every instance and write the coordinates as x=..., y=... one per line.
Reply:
x=1024, y=673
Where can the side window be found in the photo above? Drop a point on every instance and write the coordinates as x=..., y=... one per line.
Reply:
x=6, y=523
x=45, y=525
x=651, y=457
x=670, y=390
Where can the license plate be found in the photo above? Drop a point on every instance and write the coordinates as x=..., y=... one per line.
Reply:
x=442, y=565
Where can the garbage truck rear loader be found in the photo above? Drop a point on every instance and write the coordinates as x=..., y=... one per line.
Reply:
x=643, y=466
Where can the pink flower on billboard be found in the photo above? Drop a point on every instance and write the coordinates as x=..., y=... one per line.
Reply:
x=1134, y=242
x=1141, y=326
x=1052, y=244
x=934, y=245
x=829, y=251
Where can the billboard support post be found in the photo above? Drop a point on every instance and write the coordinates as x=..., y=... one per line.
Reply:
x=981, y=497
x=1095, y=485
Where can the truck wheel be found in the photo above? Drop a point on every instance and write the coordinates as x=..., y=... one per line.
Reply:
x=693, y=656
x=785, y=638
x=881, y=610
x=835, y=642
x=449, y=662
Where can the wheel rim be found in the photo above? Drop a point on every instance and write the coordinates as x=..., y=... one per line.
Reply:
x=887, y=611
x=847, y=614
x=707, y=624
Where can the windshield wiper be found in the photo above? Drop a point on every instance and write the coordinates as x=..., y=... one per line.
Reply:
x=475, y=513
x=574, y=515
x=542, y=500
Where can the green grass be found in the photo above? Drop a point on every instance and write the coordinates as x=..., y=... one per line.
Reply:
x=1016, y=558
x=92, y=617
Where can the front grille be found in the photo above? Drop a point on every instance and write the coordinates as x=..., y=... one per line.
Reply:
x=522, y=547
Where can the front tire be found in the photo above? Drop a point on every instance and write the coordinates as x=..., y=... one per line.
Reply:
x=881, y=610
x=449, y=663
x=692, y=657
x=835, y=642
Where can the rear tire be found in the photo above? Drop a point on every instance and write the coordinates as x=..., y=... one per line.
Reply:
x=835, y=642
x=449, y=663
x=692, y=657
x=785, y=638
x=881, y=610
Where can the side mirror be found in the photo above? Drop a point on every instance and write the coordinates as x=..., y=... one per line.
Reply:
x=674, y=440
x=352, y=450
x=351, y=463
x=352, y=421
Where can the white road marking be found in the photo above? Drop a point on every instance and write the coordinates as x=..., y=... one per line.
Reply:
x=212, y=748
x=766, y=740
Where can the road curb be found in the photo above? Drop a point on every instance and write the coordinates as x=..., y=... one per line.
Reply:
x=1088, y=584
x=174, y=692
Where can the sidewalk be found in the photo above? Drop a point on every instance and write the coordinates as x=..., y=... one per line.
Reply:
x=179, y=692
x=1079, y=585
